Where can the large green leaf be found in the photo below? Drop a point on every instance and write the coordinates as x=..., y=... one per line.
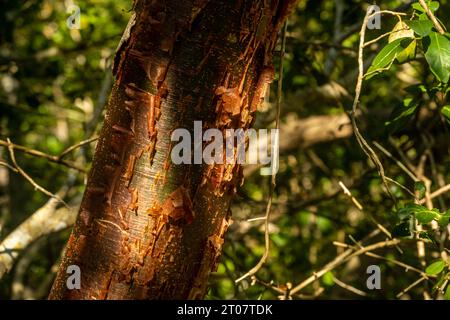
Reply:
x=438, y=56
x=435, y=268
x=421, y=27
x=385, y=57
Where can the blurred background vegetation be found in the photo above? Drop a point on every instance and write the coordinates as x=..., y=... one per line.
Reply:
x=53, y=85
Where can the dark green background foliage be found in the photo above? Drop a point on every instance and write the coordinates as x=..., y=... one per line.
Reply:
x=51, y=81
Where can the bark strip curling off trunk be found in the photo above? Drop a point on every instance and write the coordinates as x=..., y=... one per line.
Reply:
x=147, y=228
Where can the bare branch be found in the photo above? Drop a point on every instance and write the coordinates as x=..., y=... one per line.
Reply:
x=37, y=153
x=349, y=287
x=44, y=221
x=342, y=258
x=432, y=17
x=76, y=146
x=27, y=177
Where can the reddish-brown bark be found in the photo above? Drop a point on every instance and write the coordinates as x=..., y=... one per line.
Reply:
x=149, y=229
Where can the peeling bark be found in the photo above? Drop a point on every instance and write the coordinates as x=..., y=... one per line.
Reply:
x=149, y=229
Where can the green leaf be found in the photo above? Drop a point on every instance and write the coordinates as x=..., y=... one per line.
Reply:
x=446, y=113
x=328, y=279
x=422, y=214
x=421, y=27
x=438, y=56
x=444, y=219
x=419, y=188
x=433, y=5
x=426, y=216
x=407, y=210
x=416, y=89
x=400, y=30
x=402, y=114
x=407, y=54
x=435, y=268
x=385, y=57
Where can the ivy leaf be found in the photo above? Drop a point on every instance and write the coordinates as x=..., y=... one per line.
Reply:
x=419, y=188
x=433, y=5
x=438, y=56
x=435, y=268
x=446, y=113
x=385, y=57
x=421, y=27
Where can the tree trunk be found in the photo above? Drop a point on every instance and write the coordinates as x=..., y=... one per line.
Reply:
x=149, y=229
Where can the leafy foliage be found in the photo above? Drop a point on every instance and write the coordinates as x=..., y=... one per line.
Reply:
x=51, y=80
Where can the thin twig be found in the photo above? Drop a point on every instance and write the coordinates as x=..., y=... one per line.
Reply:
x=360, y=208
x=376, y=256
x=432, y=17
x=256, y=219
x=402, y=155
x=263, y=259
x=368, y=43
x=7, y=165
x=76, y=146
x=437, y=193
x=349, y=287
x=415, y=283
x=362, y=142
x=397, y=162
x=398, y=263
x=401, y=186
x=41, y=154
x=349, y=194
x=27, y=177
x=340, y=259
